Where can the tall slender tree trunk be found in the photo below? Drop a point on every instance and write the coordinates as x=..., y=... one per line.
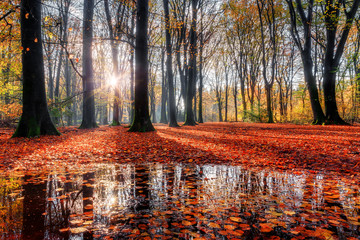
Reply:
x=201, y=84
x=235, y=93
x=132, y=73
x=169, y=68
x=226, y=94
x=164, y=89
x=68, y=91
x=35, y=119
x=189, y=116
x=88, y=118
x=115, y=55
x=142, y=122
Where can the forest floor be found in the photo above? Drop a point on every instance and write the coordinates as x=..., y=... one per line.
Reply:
x=211, y=181
x=274, y=146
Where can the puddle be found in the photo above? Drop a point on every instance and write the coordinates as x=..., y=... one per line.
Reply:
x=155, y=201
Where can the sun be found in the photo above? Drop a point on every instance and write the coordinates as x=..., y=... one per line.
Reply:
x=113, y=81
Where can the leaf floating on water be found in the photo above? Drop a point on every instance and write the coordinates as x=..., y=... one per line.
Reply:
x=235, y=219
x=76, y=222
x=78, y=230
x=88, y=207
x=64, y=230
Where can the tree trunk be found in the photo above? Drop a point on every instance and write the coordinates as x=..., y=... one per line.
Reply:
x=132, y=74
x=189, y=117
x=142, y=122
x=169, y=70
x=68, y=91
x=115, y=55
x=201, y=84
x=218, y=97
x=226, y=93
x=329, y=85
x=35, y=119
x=333, y=53
x=268, y=91
x=235, y=93
x=88, y=118
x=163, y=117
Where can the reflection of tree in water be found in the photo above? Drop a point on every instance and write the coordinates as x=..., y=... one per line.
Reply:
x=34, y=207
x=11, y=206
x=64, y=195
x=113, y=193
x=183, y=201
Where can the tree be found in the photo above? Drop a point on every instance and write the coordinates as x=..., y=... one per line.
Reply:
x=334, y=50
x=141, y=122
x=266, y=9
x=169, y=70
x=304, y=44
x=115, y=54
x=189, y=116
x=88, y=118
x=35, y=119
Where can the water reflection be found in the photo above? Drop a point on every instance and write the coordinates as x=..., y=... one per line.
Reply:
x=156, y=201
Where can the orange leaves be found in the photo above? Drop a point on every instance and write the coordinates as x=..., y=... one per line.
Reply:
x=265, y=228
x=229, y=227
x=235, y=219
x=214, y=225
x=187, y=223
x=190, y=201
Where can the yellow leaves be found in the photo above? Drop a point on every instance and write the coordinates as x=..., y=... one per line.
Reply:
x=78, y=230
x=290, y=213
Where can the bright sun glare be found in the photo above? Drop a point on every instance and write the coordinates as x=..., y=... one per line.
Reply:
x=113, y=81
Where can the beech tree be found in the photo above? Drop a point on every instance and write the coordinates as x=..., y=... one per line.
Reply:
x=303, y=42
x=334, y=50
x=169, y=69
x=88, y=118
x=189, y=116
x=35, y=119
x=141, y=122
